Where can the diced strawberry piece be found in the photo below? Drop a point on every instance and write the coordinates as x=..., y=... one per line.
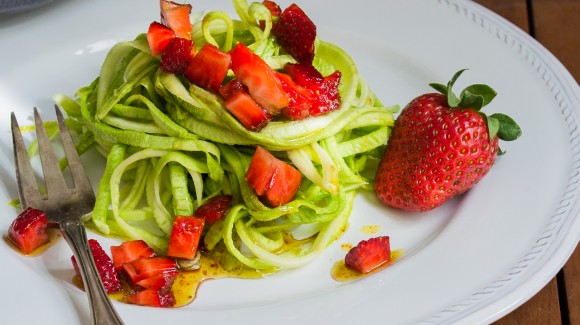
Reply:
x=177, y=55
x=176, y=17
x=369, y=254
x=209, y=67
x=284, y=185
x=247, y=111
x=296, y=33
x=152, y=298
x=272, y=179
x=146, y=267
x=28, y=230
x=185, y=237
x=162, y=281
x=129, y=251
x=324, y=90
x=158, y=36
x=275, y=10
x=231, y=87
x=214, y=209
x=301, y=100
x=261, y=80
x=304, y=74
x=104, y=265
x=329, y=97
x=262, y=167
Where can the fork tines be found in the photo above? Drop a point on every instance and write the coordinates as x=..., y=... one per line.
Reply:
x=56, y=186
x=65, y=207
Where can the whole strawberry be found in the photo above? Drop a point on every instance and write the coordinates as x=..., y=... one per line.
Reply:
x=441, y=145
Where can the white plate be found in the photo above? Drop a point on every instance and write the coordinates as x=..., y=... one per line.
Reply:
x=471, y=261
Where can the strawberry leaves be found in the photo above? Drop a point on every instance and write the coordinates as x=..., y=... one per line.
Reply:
x=508, y=129
x=476, y=97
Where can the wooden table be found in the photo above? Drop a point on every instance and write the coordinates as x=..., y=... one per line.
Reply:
x=556, y=25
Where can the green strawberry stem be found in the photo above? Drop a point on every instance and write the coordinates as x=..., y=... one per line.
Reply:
x=476, y=97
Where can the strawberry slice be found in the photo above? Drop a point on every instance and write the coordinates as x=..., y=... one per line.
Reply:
x=324, y=93
x=146, y=267
x=284, y=185
x=247, y=111
x=329, y=98
x=262, y=167
x=263, y=84
x=161, y=281
x=209, y=67
x=28, y=230
x=129, y=251
x=369, y=254
x=177, y=55
x=152, y=298
x=176, y=17
x=214, y=209
x=185, y=236
x=243, y=107
x=301, y=99
x=231, y=87
x=304, y=74
x=104, y=265
x=158, y=36
x=275, y=181
x=275, y=10
x=296, y=33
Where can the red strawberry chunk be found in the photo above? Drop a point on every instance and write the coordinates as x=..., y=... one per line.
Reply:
x=296, y=33
x=28, y=230
x=185, y=237
x=162, y=281
x=275, y=10
x=176, y=17
x=262, y=168
x=231, y=87
x=283, y=186
x=129, y=251
x=301, y=99
x=324, y=92
x=304, y=74
x=263, y=85
x=369, y=254
x=158, y=36
x=209, y=67
x=177, y=55
x=146, y=267
x=329, y=98
x=275, y=181
x=214, y=209
x=247, y=111
x=104, y=265
x=152, y=298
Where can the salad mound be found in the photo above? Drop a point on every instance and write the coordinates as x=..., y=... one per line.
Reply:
x=172, y=144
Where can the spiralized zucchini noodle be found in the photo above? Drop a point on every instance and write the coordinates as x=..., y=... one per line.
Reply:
x=171, y=145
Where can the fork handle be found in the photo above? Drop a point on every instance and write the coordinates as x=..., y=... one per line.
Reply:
x=102, y=310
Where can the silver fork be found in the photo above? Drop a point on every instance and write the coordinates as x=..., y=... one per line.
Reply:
x=64, y=206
